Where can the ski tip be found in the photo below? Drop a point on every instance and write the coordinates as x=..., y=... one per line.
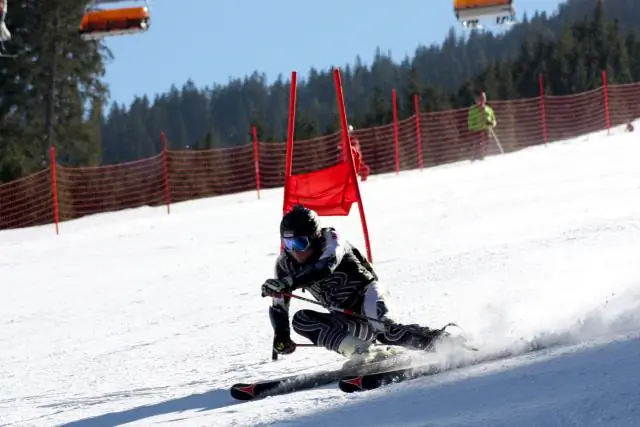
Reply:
x=351, y=384
x=242, y=391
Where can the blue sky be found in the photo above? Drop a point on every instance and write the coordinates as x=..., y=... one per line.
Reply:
x=211, y=41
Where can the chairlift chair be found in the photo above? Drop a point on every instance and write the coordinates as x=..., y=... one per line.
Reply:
x=98, y=22
x=470, y=12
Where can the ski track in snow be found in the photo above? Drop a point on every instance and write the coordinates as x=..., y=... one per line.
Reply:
x=143, y=318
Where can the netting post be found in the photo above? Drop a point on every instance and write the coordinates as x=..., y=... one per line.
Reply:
x=54, y=189
x=165, y=172
x=607, y=117
x=543, y=113
x=416, y=109
x=256, y=158
x=354, y=175
x=394, y=108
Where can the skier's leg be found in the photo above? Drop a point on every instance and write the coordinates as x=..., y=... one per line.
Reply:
x=389, y=332
x=334, y=331
x=374, y=305
x=279, y=315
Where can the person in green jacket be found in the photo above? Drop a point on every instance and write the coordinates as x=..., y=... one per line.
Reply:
x=480, y=119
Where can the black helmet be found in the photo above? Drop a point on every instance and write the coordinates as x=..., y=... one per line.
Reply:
x=300, y=222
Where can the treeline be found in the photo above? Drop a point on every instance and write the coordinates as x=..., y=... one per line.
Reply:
x=53, y=94
x=570, y=48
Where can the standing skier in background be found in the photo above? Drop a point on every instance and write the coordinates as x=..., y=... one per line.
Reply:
x=480, y=120
x=336, y=274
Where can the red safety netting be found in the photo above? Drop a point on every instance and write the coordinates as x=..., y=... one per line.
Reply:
x=423, y=140
x=205, y=173
x=89, y=190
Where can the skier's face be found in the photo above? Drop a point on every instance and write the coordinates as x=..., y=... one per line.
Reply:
x=302, y=256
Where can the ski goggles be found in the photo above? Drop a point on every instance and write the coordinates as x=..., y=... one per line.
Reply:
x=297, y=243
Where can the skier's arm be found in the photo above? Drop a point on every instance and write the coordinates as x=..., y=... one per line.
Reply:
x=279, y=309
x=332, y=253
x=491, y=117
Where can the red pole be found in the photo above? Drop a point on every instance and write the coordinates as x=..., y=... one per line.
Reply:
x=288, y=167
x=54, y=189
x=394, y=101
x=543, y=114
x=354, y=175
x=256, y=158
x=607, y=117
x=416, y=108
x=165, y=172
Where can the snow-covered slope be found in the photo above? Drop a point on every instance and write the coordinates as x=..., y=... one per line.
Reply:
x=146, y=318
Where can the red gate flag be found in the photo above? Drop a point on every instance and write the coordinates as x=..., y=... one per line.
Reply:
x=329, y=192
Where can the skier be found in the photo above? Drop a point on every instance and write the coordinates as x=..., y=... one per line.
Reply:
x=480, y=120
x=317, y=260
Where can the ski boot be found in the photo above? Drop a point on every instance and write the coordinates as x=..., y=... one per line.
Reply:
x=412, y=336
x=283, y=345
x=427, y=339
x=362, y=353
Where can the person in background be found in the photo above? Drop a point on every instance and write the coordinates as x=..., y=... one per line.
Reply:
x=480, y=119
x=362, y=168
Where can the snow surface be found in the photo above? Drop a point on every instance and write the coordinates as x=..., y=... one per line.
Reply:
x=144, y=318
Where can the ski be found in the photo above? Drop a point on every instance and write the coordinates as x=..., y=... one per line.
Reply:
x=356, y=383
x=284, y=385
x=299, y=382
x=373, y=380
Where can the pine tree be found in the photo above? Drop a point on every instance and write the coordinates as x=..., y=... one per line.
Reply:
x=51, y=91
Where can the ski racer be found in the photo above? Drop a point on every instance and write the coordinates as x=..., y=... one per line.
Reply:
x=316, y=259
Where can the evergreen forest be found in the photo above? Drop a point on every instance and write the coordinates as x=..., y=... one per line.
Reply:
x=53, y=93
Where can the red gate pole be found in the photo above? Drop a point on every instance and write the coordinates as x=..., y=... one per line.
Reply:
x=607, y=117
x=165, y=172
x=256, y=158
x=54, y=189
x=416, y=108
x=543, y=113
x=394, y=101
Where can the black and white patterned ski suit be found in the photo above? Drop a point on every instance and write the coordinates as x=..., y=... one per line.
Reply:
x=338, y=275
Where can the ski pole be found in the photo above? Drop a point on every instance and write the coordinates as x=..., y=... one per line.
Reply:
x=333, y=308
x=495, y=137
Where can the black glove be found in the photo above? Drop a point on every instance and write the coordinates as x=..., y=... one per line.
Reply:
x=273, y=287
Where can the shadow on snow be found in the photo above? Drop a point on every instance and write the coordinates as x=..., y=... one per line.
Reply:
x=207, y=401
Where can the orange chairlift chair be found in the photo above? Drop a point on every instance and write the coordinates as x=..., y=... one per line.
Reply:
x=98, y=23
x=469, y=12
